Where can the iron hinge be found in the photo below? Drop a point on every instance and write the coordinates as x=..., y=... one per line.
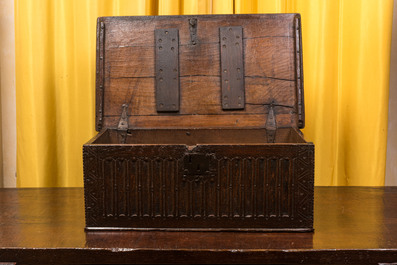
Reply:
x=193, y=31
x=123, y=123
x=271, y=124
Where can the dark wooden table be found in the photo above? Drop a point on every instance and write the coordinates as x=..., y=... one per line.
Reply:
x=353, y=225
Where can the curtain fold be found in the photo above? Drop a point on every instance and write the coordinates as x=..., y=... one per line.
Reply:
x=346, y=50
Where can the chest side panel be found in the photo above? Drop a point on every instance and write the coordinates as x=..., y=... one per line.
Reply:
x=126, y=72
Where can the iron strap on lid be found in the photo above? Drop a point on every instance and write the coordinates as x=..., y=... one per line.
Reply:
x=232, y=67
x=167, y=70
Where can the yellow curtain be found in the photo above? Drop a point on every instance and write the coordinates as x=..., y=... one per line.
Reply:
x=346, y=47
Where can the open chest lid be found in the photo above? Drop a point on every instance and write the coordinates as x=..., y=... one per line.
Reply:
x=203, y=71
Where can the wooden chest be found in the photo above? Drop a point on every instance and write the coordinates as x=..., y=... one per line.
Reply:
x=198, y=120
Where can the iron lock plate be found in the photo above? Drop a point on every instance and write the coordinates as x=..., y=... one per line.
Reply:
x=197, y=167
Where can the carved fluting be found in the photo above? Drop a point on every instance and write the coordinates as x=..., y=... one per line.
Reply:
x=139, y=187
x=249, y=187
x=278, y=190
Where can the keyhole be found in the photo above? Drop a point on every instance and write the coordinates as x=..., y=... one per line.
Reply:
x=198, y=168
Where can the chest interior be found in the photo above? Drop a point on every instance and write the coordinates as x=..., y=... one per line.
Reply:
x=193, y=137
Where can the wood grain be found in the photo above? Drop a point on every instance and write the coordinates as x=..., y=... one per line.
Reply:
x=119, y=29
x=269, y=43
x=200, y=95
x=264, y=57
x=353, y=225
